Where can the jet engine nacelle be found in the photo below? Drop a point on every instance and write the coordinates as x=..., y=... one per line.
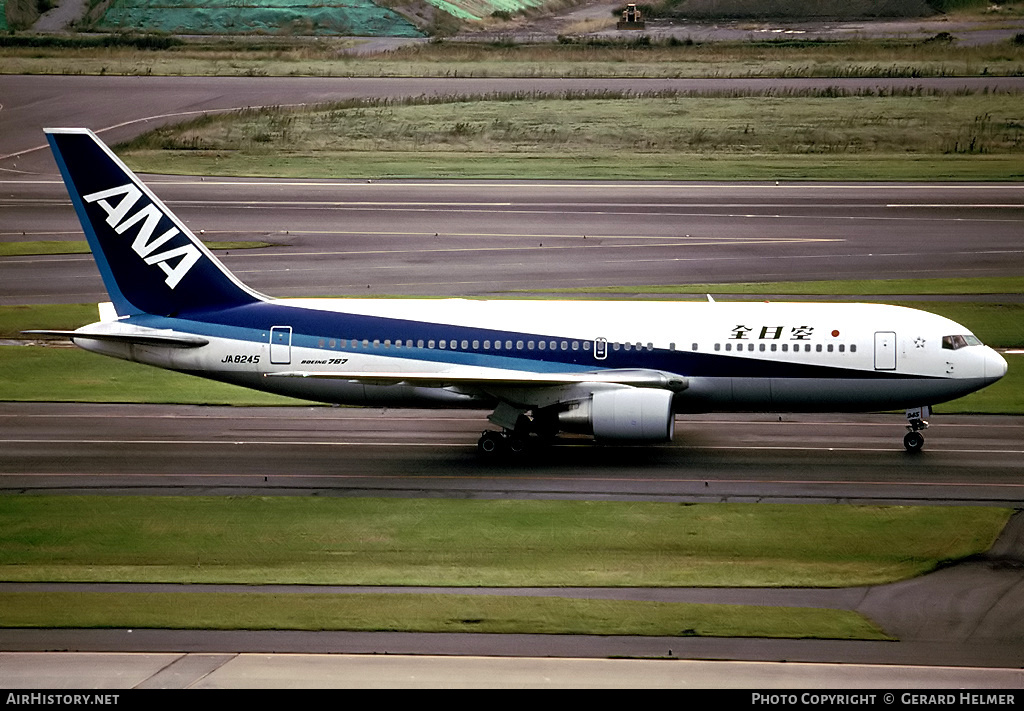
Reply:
x=638, y=414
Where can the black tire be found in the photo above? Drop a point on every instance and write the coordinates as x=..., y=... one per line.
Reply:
x=516, y=444
x=490, y=443
x=913, y=441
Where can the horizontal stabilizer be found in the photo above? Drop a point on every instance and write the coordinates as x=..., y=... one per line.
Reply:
x=155, y=338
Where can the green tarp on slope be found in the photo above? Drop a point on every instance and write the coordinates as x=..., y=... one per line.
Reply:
x=326, y=17
x=476, y=9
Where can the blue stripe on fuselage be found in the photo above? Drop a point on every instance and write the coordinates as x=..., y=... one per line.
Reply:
x=252, y=323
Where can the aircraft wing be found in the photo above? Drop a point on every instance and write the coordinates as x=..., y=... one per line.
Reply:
x=638, y=378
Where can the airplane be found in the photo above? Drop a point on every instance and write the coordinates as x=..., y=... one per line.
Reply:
x=617, y=371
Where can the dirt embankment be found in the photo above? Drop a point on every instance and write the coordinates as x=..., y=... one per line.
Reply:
x=21, y=14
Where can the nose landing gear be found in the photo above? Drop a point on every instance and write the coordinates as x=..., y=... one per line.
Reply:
x=914, y=440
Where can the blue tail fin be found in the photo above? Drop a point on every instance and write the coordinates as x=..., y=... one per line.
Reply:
x=149, y=260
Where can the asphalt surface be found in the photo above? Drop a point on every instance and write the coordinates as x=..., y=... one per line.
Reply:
x=327, y=451
x=481, y=238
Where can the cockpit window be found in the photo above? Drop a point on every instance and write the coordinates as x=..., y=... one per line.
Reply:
x=953, y=343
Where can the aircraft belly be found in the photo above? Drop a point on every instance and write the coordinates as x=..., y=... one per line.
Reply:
x=819, y=394
x=751, y=392
x=861, y=394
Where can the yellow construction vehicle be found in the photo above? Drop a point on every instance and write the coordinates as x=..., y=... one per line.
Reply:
x=631, y=18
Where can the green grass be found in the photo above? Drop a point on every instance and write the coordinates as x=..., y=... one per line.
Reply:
x=411, y=542
x=351, y=541
x=631, y=58
x=1005, y=397
x=490, y=614
x=33, y=373
x=536, y=165
x=950, y=136
x=58, y=317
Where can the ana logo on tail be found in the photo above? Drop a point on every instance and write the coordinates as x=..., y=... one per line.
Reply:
x=144, y=243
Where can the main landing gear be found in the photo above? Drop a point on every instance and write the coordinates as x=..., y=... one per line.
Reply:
x=914, y=440
x=520, y=430
x=492, y=443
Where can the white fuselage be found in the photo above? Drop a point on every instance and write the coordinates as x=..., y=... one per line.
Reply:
x=734, y=356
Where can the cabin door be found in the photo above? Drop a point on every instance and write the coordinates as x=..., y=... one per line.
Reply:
x=885, y=350
x=281, y=345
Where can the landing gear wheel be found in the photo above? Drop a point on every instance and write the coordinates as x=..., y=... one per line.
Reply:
x=491, y=443
x=913, y=441
x=516, y=444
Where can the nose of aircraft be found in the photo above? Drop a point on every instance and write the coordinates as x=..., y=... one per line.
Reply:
x=995, y=366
